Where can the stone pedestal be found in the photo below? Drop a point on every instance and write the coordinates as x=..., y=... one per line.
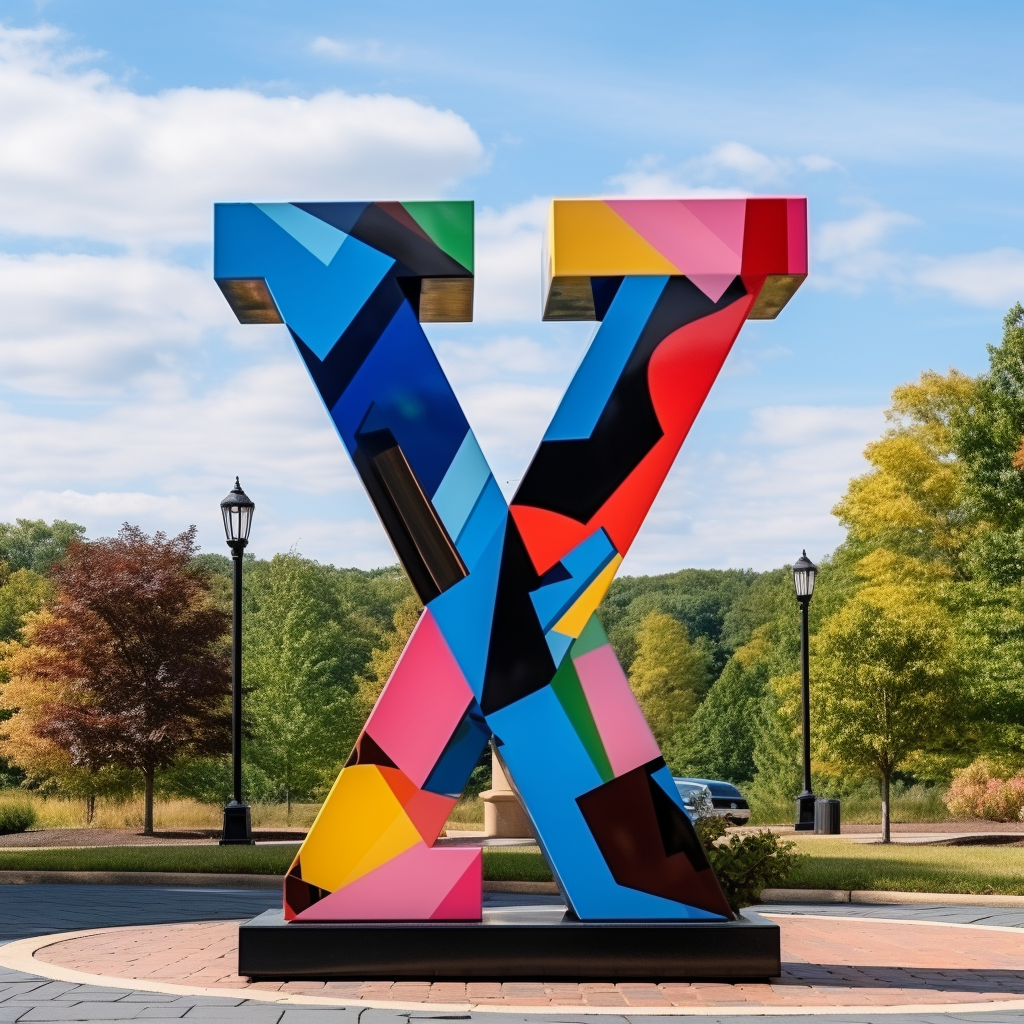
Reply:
x=504, y=816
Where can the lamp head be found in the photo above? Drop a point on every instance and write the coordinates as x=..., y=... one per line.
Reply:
x=237, y=509
x=804, y=572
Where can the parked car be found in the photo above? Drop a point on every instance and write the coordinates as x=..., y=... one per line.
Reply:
x=697, y=800
x=726, y=801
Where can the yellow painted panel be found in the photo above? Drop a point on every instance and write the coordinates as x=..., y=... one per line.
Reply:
x=395, y=840
x=589, y=239
x=361, y=814
x=573, y=621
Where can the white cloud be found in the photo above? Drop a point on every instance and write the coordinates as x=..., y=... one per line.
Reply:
x=815, y=163
x=730, y=169
x=167, y=461
x=87, y=326
x=366, y=51
x=994, y=279
x=759, y=501
x=852, y=253
x=837, y=239
x=508, y=261
x=84, y=156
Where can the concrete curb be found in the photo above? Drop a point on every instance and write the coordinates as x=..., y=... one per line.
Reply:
x=204, y=880
x=19, y=955
x=880, y=896
x=191, y=879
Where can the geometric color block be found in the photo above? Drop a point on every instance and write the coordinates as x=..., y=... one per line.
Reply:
x=625, y=735
x=412, y=886
x=509, y=648
x=410, y=718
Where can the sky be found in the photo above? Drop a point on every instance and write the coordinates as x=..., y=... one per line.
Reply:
x=129, y=393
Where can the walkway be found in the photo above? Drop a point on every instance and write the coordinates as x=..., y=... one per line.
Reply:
x=40, y=910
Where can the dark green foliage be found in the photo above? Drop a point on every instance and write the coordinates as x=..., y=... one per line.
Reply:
x=719, y=741
x=16, y=816
x=699, y=598
x=31, y=544
x=987, y=436
x=746, y=864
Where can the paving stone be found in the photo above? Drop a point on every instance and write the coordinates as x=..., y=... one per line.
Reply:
x=83, y=1011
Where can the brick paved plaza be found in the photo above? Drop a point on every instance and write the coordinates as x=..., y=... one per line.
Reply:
x=896, y=964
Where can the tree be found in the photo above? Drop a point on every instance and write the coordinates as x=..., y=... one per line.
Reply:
x=911, y=502
x=302, y=649
x=719, y=743
x=667, y=675
x=132, y=656
x=21, y=592
x=885, y=679
x=31, y=688
x=31, y=544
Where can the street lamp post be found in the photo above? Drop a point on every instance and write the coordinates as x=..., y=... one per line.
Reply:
x=236, y=510
x=804, y=572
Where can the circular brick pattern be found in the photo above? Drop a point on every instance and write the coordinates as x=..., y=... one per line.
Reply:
x=827, y=963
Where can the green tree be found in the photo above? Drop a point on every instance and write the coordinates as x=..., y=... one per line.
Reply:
x=719, y=741
x=302, y=649
x=31, y=544
x=887, y=684
x=21, y=592
x=667, y=675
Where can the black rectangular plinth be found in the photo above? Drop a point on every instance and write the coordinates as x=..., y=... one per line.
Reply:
x=513, y=943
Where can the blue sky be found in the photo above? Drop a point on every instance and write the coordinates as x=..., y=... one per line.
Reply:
x=127, y=392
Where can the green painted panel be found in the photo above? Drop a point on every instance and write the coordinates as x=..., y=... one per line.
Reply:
x=592, y=637
x=450, y=226
x=569, y=692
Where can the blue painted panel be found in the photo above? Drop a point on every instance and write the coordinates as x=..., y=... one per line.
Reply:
x=452, y=771
x=320, y=238
x=461, y=486
x=583, y=564
x=401, y=386
x=549, y=767
x=606, y=358
x=464, y=613
x=489, y=514
x=558, y=644
x=663, y=777
x=316, y=302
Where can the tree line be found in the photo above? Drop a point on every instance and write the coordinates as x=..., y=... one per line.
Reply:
x=917, y=637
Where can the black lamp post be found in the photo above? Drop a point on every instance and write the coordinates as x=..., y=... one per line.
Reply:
x=804, y=571
x=237, y=511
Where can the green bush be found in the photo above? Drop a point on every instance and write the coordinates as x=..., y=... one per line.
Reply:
x=746, y=864
x=16, y=816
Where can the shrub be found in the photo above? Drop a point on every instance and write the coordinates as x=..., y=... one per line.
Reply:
x=16, y=816
x=746, y=864
x=978, y=791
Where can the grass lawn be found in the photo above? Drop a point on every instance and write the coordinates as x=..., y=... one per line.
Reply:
x=835, y=864
x=505, y=864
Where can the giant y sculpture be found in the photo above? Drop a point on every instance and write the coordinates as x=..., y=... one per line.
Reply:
x=509, y=646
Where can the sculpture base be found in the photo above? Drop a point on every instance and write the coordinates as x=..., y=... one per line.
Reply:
x=527, y=942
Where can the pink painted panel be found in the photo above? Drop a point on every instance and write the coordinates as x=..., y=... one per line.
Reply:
x=678, y=235
x=463, y=902
x=624, y=731
x=414, y=886
x=796, y=218
x=422, y=703
x=725, y=217
x=712, y=285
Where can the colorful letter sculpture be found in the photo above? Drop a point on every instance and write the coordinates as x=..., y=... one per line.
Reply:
x=509, y=645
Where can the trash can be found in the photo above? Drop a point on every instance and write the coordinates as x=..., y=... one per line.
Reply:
x=826, y=817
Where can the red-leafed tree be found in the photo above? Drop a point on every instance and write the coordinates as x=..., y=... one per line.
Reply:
x=138, y=645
